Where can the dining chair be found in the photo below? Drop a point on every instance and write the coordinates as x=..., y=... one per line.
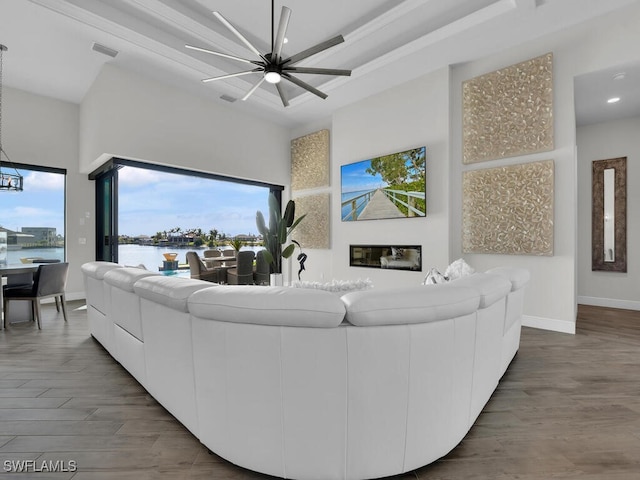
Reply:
x=198, y=269
x=48, y=281
x=242, y=273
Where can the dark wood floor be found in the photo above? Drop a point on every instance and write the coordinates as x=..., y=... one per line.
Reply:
x=567, y=408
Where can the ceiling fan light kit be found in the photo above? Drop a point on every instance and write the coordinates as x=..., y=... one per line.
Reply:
x=273, y=66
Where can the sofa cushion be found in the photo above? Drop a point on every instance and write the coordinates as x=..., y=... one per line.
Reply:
x=172, y=292
x=414, y=304
x=285, y=306
x=518, y=277
x=491, y=287
x=458, y=269
x=125, y=277
x=98, y=269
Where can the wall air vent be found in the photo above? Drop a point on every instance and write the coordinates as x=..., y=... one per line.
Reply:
x=110, y=52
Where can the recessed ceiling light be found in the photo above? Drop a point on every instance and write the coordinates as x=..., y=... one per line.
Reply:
x=613, y=100
x=619, y=76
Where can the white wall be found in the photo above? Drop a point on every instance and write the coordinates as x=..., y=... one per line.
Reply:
x=612, y=39
x=130, y=116
x=413, y=115
x=42, y=131
x=599, y=142
x=427, y=111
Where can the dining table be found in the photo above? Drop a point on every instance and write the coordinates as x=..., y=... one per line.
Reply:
x=212, y=262
x=17, y=274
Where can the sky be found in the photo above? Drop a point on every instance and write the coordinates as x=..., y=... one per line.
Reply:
x=354, y=177
x=151, y=201
x=148, y=202
x=40, y=204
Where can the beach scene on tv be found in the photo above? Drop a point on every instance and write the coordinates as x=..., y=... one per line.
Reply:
x=390, y=186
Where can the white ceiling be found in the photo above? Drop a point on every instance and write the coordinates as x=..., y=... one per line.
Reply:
x=386, y=43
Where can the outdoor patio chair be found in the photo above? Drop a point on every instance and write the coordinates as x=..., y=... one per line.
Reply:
x=198, y=269
x=262, y=270
x=242, y=273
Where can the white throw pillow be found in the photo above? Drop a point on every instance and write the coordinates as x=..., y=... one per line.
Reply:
x=458, y=269
x=434, y=277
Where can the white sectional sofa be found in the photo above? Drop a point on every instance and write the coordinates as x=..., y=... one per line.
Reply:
x=306, y=384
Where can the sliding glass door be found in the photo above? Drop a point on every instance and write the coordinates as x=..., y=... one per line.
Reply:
x=144, y=205
x=107, y=215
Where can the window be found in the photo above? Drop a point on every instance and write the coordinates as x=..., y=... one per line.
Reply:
x=33, y=220
x=145, y=210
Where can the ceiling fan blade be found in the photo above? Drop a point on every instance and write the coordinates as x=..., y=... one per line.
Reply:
x=231, y=75
x=232, y=57
x=285, y=102
x=313, y=50
x=318, y=71
x=282, y=32
x=241, y=37
x=253, y=89
x=304, y=85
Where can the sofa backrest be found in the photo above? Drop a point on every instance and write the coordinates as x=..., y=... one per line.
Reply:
x=172, y=292
x=94, y=273
x=413, y=304
x=491, y=287
x=519, y=277
x=124, y=278
x=284, y=306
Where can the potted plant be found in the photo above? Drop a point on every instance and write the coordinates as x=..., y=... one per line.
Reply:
x=277, y=234
x=236, y=244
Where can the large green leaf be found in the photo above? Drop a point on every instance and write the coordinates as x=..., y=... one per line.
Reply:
x=287, y=252
x=295, y=224
x=289, y=213
x=268, y=257
x=262, y=227
x=282, y=233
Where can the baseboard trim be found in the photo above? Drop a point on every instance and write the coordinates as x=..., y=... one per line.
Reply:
x=609, y=302
x=552, y=324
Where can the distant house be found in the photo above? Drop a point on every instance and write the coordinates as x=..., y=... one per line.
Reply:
x=143, y=240
x=246, y=238
x=42, y=235
x=17, y=239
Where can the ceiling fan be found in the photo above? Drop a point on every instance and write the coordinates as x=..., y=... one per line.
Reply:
x=273, y=66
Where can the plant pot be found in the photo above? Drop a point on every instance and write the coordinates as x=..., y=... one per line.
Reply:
x=275, y=279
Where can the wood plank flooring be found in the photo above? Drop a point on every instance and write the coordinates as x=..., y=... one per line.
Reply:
x=567, y=408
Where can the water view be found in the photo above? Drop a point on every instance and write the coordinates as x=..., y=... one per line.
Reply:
x=151, y=257
x=14, y=256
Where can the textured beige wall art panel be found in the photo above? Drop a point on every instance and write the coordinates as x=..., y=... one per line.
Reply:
x=310, y=161
x=508, y=112
x=509, y=209
x=313, y=231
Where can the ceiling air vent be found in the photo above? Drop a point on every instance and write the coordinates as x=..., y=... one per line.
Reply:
x=110, y=52
x=228, y=98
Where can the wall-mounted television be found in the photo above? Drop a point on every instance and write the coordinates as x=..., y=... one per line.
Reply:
x=390, y=186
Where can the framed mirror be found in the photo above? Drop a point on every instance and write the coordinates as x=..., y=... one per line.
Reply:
x=609, y=215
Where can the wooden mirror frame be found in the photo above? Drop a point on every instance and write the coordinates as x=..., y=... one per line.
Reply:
x=597, y=210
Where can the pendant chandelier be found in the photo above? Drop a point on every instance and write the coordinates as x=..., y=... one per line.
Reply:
x=8, y=181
